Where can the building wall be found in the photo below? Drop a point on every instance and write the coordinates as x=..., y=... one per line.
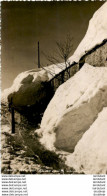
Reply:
x=98, y=58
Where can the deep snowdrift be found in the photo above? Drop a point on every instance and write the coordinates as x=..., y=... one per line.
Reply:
x=90, y=154
x=38, y=75
x=96, y=33
x=19, y=81
x=74, y=108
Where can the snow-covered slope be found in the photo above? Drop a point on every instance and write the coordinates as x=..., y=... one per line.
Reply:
x=74, y=107
x=90, y=153
x=96, y=33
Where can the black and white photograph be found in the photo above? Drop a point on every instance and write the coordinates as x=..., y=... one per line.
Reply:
x=54, y=87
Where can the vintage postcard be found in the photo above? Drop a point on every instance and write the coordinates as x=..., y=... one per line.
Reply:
x=54, y=87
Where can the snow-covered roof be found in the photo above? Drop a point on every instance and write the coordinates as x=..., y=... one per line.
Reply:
x=96, y=33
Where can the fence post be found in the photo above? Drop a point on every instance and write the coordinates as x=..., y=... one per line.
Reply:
x=13, y=120
x=11, y=109
x=62, y=77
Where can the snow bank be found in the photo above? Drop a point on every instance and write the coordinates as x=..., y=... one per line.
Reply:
x=18, y=82
x=74, y=108
x=43, y=74
x=96, y=33
x=90, y=153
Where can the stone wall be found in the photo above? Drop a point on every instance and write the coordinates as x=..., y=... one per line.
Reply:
x=98, y=58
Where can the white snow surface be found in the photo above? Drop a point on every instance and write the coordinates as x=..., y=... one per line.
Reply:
x=96, y=33
x=74, y=108
x=42, y=74
x=90, y=155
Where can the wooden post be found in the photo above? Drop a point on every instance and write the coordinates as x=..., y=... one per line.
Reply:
x=11, y=109
x=38, y=56
x=13, y=120
x=62, y=77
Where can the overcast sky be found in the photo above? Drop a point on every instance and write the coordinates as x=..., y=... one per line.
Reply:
x=25, y=23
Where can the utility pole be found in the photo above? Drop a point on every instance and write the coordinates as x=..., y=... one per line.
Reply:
x=38, y=56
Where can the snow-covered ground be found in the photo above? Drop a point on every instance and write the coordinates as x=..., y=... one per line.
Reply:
x=90, y=153
x=74, y=107
x=96, y=33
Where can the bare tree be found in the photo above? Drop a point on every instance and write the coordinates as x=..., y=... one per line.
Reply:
x=62, y=53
